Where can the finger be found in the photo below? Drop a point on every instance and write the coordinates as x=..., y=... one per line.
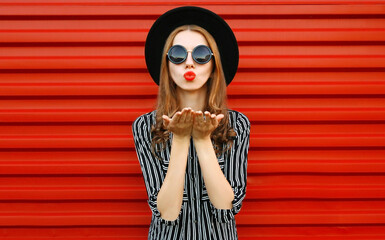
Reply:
x=220, y=117
x=189, y=116
x=194, y=116
x=166, y=120
x=207, y=116
x=183, y=116
x=199, y=117
x=217, y=119
x=176, y=117
x=213, y=119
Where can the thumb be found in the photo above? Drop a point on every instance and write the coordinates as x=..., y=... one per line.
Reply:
x=166, y=120
x=220, y=117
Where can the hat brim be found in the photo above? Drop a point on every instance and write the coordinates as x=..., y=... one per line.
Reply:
x=211, y=22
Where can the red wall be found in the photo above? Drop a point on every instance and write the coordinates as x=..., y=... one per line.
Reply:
x=311, y=80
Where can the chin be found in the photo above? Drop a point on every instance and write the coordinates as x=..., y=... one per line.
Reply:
x=190, y=87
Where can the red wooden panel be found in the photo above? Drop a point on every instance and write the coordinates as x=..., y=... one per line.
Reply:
x=311, y=81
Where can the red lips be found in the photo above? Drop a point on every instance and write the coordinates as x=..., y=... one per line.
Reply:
x=189, y=76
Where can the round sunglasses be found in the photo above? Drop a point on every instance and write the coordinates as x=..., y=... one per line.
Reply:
x=178, y=54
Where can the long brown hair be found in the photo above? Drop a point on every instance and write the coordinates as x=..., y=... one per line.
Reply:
x=168, y=102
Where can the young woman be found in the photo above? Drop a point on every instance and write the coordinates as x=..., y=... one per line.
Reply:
x=192, y=149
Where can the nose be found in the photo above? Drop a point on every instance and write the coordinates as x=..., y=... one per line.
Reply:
x=189, y=60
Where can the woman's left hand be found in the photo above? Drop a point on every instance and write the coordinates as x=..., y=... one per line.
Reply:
x=203, y=127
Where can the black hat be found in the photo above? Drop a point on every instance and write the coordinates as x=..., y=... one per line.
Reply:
x=211, y=22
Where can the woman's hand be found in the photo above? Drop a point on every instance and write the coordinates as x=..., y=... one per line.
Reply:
x=181, y=123
x=203, y=127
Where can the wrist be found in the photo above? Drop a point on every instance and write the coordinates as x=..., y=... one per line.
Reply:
x=180, y=137
x=204, y=139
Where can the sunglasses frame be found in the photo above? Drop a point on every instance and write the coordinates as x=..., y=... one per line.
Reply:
x=192, y=54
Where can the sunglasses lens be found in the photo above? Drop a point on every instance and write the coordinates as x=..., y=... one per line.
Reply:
x=202, y=54
x=177, y=54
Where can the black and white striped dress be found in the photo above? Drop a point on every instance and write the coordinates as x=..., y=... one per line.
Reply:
x=198, y=218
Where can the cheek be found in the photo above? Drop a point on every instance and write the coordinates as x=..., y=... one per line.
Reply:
x=208, y=68
x=173, y=70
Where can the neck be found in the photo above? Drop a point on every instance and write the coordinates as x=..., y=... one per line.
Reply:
x=194, y=99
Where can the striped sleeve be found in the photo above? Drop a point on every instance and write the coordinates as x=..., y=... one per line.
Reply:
x=151, y=167
x=236, y=172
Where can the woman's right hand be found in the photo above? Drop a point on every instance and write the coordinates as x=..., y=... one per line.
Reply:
x=181, y=123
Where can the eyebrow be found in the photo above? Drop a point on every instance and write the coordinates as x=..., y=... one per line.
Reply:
x=193, y=47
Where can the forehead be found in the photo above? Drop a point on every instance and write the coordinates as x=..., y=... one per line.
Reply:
x=189, y=39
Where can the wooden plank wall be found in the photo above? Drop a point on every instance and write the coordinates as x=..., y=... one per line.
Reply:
x=311, y=80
